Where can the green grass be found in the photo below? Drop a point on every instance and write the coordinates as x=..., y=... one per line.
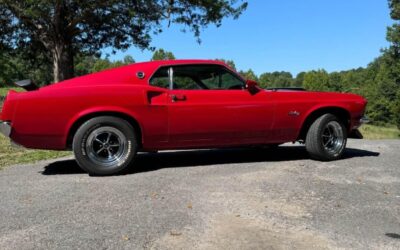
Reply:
x=4, y=91
x=10, y=155
x=376, y=132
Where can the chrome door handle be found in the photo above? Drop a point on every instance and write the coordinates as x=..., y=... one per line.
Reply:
x=176, y=98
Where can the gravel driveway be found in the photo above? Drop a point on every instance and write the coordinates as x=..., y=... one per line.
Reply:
x=209, y=199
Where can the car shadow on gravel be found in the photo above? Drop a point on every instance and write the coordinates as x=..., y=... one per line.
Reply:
x=172, y=159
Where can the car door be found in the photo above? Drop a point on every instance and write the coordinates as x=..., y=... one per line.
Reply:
x=209, y=106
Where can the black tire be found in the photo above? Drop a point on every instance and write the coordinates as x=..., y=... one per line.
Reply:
x=105, y=145
x=326, y=138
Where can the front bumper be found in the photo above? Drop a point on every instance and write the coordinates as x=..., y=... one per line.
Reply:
x=5, y=128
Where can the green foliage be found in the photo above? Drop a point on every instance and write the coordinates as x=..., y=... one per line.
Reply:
x=60, y=30
x=379, y=132
x=249, y=75
x=10, y=155
x=90, y=64
x=4, y=91
x=394, y=9
x=316, y=80
x=8, y=70
x=298, y=81
x=391, y=63
x=161, y=54
x=396, y=111
x=276, y=79
x=15, y=66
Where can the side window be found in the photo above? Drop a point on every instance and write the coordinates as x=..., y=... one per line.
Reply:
x=223, y=79
x=160, y=78
x=192, y=77
x=185, y=77
x=184, y=82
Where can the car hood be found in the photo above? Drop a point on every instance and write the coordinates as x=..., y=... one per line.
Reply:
x=319, y=95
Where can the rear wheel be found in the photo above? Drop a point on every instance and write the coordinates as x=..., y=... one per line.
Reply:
x=105, y=145
x=326, y=139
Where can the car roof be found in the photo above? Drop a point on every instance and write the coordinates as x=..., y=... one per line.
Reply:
x=179, y=62
x=125, y=73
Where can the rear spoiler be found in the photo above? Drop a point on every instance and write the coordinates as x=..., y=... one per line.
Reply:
x=28, y=85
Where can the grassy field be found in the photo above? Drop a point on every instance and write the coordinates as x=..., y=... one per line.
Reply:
x=374, y=132
x=9, y=155
x=4, y=91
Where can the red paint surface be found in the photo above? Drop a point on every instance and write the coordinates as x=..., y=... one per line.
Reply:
x=201, y=118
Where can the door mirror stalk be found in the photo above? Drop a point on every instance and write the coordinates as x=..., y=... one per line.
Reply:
x=252, y=86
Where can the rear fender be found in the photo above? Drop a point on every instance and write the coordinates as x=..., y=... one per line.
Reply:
x=102, y=111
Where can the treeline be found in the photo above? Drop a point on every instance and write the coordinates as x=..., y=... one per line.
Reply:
x=17, y=67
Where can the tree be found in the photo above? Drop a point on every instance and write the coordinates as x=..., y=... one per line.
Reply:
x=335, y=82
x=8, y=69
x=393, y=57
x=298, y=82
x=60, y=29
x=91, y=64
x=316, y=80
x=16, y=66
x=276, y=79
x=128, y=60
x=249, y=75
x=162, y=55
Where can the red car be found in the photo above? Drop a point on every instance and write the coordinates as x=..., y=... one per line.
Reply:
x=107, y=117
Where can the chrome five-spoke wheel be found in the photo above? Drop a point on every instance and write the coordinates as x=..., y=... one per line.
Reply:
x=326, y=138
x=106, y=146
x=332, y=137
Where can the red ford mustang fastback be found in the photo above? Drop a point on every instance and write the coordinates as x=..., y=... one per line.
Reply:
x=107, y=117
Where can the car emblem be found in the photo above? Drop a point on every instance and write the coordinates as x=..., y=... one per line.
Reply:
x=140, y=75
x=294, y=113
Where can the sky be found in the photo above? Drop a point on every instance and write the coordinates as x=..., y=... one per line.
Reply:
x=285, y=35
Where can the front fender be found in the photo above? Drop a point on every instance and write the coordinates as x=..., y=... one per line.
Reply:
x=319, y=109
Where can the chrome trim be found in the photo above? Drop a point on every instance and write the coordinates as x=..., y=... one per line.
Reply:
x=364, y=120
x=294, y=113
x=5, y=128
x=171, y=78
x=140, y=74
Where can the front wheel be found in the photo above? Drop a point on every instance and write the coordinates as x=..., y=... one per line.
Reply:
x=326, y=139
x=105, y=145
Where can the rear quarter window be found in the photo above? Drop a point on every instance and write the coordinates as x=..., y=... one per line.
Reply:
x=160, y=78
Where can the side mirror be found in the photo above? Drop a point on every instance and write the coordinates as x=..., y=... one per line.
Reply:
x=252, y=86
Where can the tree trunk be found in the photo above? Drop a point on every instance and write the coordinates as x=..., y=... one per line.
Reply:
x=63, y=62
